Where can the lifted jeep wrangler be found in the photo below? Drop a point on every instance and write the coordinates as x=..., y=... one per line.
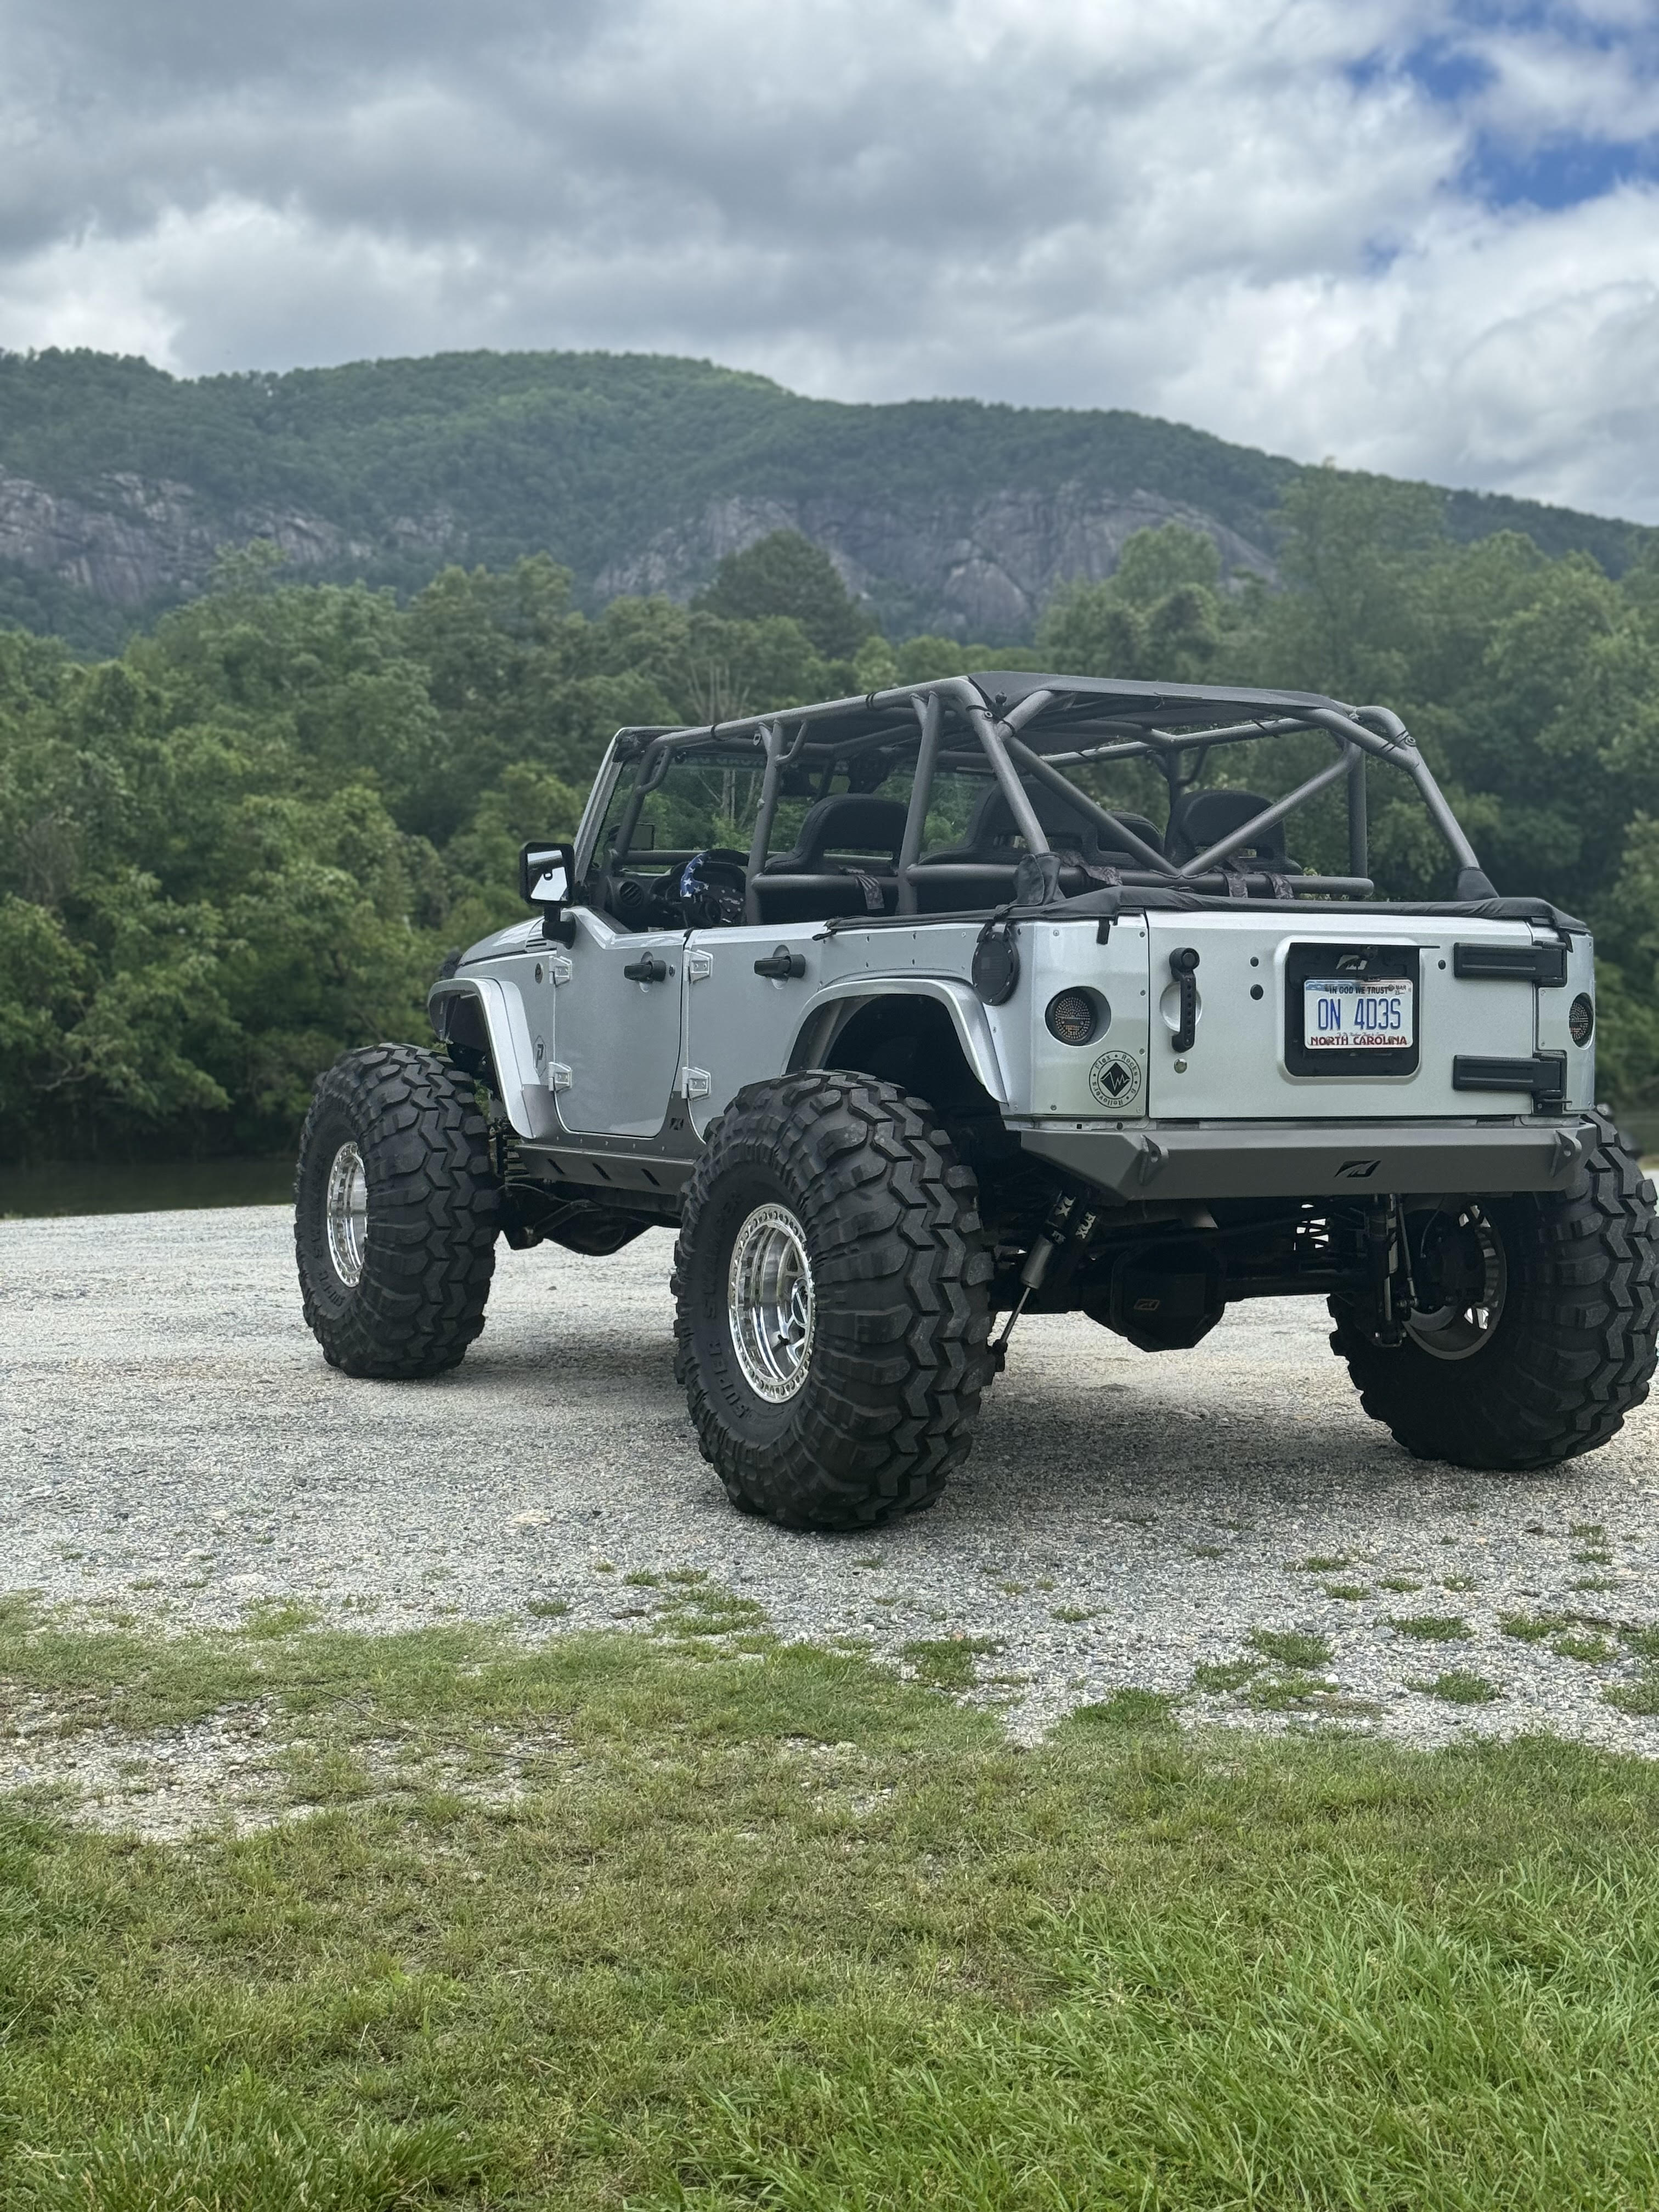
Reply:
x=906, y=1013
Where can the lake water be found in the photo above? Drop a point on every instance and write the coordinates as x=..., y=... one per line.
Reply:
x=158, y=1187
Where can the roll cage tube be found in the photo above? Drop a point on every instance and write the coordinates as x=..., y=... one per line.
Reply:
x=1104, y=720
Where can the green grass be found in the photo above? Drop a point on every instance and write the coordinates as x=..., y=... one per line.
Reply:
x=1350, y=1593
x=1432, y=1627
x=949, y=1662
x=1127, y=1708
x=1593, y=1650
x=1531, y=1627
x=775, y=1928
x=1289, y=1647
x=1460, y=1687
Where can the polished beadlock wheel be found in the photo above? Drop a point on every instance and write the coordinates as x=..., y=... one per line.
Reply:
x=347, y=1211
x=769, y=1297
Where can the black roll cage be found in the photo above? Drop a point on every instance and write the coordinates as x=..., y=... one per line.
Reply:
x=1012, y=721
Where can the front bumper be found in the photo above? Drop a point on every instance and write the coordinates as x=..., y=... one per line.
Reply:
x=1312, y=1159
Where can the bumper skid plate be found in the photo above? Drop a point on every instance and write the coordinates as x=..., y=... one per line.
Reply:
x=1313, y=1159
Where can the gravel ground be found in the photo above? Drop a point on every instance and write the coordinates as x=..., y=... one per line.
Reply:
x=174, y=1445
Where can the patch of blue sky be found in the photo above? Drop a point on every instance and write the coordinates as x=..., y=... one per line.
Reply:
x=1606, y=30
x=1562, y=171
x=1436, y=66
x=1447, y=73
x=1370, y=69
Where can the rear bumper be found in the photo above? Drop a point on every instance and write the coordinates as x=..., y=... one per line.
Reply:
x=1313, y=1159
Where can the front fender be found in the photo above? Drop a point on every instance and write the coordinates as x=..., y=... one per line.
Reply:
x=834, y=1007
x=505, y=1025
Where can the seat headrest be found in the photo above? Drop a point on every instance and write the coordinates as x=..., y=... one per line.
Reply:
x=851, y=821
x=1063, y=823
x=1198, y=818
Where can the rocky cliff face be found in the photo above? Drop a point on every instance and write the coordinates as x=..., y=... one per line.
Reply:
x=136, y=541
x=981, y=569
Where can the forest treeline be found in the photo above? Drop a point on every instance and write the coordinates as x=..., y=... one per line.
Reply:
x=245, y=844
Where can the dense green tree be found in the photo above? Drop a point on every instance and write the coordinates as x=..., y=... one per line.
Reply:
x=785, y=573
x=1161, y=613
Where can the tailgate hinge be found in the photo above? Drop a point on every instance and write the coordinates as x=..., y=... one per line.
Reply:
x=1545, y=964
x=1545, y=1075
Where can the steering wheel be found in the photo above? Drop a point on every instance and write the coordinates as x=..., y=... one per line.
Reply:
x=711, y=887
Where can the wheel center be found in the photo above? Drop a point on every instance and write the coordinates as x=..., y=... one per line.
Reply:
x=346, y=1210
x=769, y=1302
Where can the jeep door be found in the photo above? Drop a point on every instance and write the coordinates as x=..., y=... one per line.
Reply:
x=618, y=1020
x=739, y=1024
x=615, y=1027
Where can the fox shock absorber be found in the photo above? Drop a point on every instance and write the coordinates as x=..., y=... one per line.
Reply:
x=1069, y=1222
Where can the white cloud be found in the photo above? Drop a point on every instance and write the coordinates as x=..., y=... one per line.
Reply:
x=1192, y=207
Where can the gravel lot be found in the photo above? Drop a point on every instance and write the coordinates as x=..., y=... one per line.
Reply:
x=173, y=1443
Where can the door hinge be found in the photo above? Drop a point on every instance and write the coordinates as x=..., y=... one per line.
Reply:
x=699, y=966
x=1545, y=964
x=558, y=1075
x=560, y=967
x=696, y=1083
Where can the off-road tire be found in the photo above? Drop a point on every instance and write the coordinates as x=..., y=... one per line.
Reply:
x=1573, y=1349
x=434, y=1207
x=901, y=1283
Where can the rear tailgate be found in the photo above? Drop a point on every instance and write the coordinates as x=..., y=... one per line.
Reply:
x=1361, y=1017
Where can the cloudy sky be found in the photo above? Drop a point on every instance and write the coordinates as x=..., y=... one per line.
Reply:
x=1421, y=235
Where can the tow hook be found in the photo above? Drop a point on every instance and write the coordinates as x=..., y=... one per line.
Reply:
x=1066, y=1225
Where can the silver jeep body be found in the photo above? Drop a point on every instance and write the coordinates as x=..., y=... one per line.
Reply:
x=1178, y=1094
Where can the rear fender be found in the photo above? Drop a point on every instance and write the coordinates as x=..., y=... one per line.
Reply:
x=832, y=1011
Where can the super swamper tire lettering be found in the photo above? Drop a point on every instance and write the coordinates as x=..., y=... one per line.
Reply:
x=1573, y=1349
x=423, y=1248
x=858, y=1174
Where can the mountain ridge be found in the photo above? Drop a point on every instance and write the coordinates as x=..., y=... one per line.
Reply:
x=119, y=484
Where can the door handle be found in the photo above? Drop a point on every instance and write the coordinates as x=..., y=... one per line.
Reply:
x=1181, y=965
x=781, y=964
x=646, y=970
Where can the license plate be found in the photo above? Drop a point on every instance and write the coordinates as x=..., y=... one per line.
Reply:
x=1356, y=1013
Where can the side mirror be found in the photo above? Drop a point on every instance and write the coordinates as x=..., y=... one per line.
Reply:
x=547, y=877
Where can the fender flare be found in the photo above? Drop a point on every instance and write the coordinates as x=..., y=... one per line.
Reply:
x=519, y=1083
x=834, y=1007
